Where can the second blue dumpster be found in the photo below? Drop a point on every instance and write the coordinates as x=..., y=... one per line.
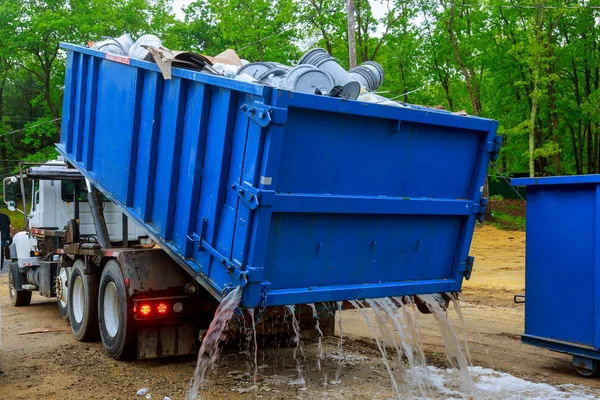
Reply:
x=562, y=273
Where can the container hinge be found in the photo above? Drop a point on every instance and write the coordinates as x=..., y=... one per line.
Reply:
x=227, y=263
x=263, y=304
x=259, y=112
x=195, y=238
x=232, y=266
x=494, y=147
x=467, y=266
x=479, y=209
x=247, y=193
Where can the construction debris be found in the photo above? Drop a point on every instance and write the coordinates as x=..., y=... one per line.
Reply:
x=316, y=73
x=45, y=330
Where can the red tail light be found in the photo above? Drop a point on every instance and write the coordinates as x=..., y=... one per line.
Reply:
x=145, y=310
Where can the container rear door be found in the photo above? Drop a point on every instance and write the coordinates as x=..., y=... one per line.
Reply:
x=369, y=201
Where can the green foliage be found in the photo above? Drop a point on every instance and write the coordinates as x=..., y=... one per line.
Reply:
x=508, y=222
x=32, y=65
x=40, y=133
x=547, y=150
x=42, y=155
x=491, y=59
x=17, y=221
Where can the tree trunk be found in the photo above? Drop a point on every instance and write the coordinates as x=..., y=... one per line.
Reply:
x=575, y=151
x=351, y=34
x=402, y=75
x=588, y=128
x=554, y=124
x=532, y=118
x=318, y=8
x=535, y=94
x=461, y=64
x=3, y=138
x=53, y=109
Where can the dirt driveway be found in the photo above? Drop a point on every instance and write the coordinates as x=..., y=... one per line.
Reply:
x=56, y=366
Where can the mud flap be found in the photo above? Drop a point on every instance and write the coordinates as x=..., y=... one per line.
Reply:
x=19, y=279
x=165, y=340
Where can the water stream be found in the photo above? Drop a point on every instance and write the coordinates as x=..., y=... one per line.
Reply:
x=340, y=348
x=394, y=323
x=319, y=335
x=210, y=347
x=298, y=349
x=251, y=311
x=457, y=309
x=454, y=353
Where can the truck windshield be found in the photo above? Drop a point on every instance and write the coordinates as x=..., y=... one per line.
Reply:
x=66, y=191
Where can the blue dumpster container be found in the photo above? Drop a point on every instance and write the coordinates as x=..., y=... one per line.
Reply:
x=562, y=274
x=298, y=198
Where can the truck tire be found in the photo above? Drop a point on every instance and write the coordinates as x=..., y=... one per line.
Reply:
x=83, y=303
x=18, y=298
x=117, y=324
x=62, y=293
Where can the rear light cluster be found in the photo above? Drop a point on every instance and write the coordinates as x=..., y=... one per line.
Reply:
x=148, y=309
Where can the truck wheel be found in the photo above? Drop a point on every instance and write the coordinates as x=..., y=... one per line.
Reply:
x=18, y=298
x=117, y=325
x=82, y=299
x=62, y=293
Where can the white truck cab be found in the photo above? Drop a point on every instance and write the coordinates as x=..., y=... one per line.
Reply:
x=51, y=206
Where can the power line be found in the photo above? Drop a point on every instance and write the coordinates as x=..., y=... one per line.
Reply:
x=276, y=33
x=511, y=6
x=404, y=94
x=19, y=117
x=31, y=126
x=267, y=37
x=507, y=181
x=18, y=120
x=527, y=7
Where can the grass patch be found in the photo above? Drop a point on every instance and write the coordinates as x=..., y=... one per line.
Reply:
x=508, y=214
x=17, y=221
x=508, y=222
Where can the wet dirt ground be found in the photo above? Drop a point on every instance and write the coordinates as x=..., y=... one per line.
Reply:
x=56, y=366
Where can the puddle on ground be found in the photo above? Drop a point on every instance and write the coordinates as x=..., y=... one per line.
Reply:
x=394, y=324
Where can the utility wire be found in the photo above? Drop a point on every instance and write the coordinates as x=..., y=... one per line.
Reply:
x=404, y=94
x=19, y=117
x=507, y=181
x=297, y=25
x=267, y=37
x=510, y=6
x=31, y=126
x=522, y=7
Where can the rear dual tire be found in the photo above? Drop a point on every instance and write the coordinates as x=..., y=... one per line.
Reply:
x=117, y=325
x=63, y=299
x=83, y=303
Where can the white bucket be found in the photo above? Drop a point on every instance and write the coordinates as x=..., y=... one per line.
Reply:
x=119, y=46
x=137, y=51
